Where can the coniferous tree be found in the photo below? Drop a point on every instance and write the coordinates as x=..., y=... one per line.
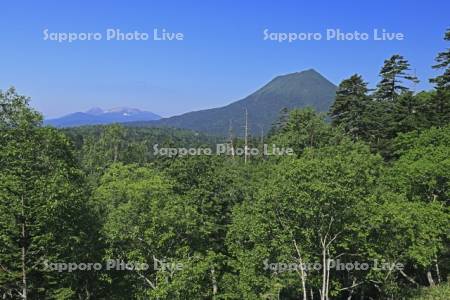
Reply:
x=350, y=107
x=439, y=110
x=392, y=75
x=280, y=122
x=443, y=62
x=391, y=94
x=408, y=113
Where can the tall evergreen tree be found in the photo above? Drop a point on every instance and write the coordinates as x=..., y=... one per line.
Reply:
x=350, y=107
x=439, y=110
x=393, y=73
x=392, y=97
x=443, y=62
x=283, y=117
x=409, y=112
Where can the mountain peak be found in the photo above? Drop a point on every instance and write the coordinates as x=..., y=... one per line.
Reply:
x=123, y=109
x=294, y=90
x=299, y=84
x=300, y=75
x=310, y=71
x=96, y=115
x=95, y=111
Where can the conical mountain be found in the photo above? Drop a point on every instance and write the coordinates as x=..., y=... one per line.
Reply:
x=295, y=90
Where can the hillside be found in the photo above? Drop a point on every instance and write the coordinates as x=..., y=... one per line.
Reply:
x=296, y=90
x=97, y=116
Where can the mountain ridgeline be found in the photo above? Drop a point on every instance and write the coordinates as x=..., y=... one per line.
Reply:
x=296, y=90
x=97, y=116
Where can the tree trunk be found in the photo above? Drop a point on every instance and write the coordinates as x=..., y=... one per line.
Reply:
x=438, y=272
x=24, y=253
x=116, y=150
x=24, y=271
x=214, y=283
x=304, y=285
x=430, y=279
x=328, y=276
x=410, y=279
x=230, y=130
x=302, y=270
x=351, y=290
x=324, y=273
x=246, y=136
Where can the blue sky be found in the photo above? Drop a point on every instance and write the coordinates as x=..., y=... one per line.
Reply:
x=222, y=58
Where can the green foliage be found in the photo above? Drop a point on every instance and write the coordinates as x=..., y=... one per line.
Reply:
x=351, y=106
x=15, y=113
x=393, y=109
x=440, y=104
x=43, y=212
x=371, y=186
x=443, y=62
x=97, y=147
x=392, y=74
x=315, y=199
x=441, y=292
x=306, y=128
x=423, y=170
x=141, y=223
x=412, y=233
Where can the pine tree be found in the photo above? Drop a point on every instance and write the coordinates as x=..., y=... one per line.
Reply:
x=439, y=110
x=443, y=62
x=410, y=112
x=392, y=74
x=350, y=106
x=284, y=116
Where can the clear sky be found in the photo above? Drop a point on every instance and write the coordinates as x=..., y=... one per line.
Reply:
x=222, y=58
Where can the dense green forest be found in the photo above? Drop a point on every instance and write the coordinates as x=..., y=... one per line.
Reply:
x=361, y=211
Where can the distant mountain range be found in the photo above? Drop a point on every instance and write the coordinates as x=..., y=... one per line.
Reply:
x=296, y=90
x=97, y=116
